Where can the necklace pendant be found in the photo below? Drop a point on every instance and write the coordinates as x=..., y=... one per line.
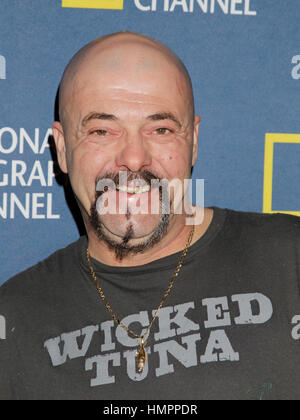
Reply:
x=141, y=356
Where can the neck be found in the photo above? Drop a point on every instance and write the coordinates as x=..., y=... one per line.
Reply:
x=174, y=241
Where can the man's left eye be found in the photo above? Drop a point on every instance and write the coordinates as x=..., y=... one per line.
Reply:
x=162, y=131
x=100, y=132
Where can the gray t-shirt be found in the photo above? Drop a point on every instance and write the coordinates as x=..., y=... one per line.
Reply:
x=229, y=328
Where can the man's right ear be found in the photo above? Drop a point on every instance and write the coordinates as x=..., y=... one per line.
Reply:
x=60, y=143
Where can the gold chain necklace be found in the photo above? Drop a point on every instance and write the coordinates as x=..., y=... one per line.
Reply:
x=142, y=355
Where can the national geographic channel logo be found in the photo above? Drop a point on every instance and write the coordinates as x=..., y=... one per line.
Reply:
x=94, y=4
x=270, y=141
x=228, y=7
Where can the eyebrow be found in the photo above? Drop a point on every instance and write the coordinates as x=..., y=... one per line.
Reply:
x=110, y=117
x=98, y=116
x=164, y=116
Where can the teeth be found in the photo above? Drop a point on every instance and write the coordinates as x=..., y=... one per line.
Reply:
x=133, y=190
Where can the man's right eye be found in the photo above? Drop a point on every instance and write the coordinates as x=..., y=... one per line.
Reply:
x=100, y=132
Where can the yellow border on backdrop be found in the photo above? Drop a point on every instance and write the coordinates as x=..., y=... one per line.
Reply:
x=271, y=139
x=94, y=4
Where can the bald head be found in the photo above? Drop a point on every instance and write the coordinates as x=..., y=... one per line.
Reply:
x=124, y=53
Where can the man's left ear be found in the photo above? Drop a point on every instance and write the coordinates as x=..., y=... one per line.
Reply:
x=197, y=120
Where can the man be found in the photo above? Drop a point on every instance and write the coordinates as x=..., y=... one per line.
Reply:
x=148, y=305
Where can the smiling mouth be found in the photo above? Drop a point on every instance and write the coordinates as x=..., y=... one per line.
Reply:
x=133, y=190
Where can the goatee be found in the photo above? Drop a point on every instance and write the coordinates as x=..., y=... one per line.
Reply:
x=123, y=249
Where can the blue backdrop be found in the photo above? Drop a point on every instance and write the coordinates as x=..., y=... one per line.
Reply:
x=244, y=61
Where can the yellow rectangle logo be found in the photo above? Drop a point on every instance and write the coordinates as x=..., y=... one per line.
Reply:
x=94, y=4
x=271, y=139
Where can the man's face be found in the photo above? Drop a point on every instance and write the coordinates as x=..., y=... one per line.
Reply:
x=129, y=112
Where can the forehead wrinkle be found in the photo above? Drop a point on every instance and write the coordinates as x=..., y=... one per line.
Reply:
x=135, y=97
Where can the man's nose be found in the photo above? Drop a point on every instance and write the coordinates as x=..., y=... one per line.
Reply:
x=134, y=155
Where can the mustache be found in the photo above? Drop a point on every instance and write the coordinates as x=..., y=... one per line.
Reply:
x=146, y=176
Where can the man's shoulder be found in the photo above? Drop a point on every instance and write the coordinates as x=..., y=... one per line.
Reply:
x=275, y=226
x=259, y=219
x=51, y=269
